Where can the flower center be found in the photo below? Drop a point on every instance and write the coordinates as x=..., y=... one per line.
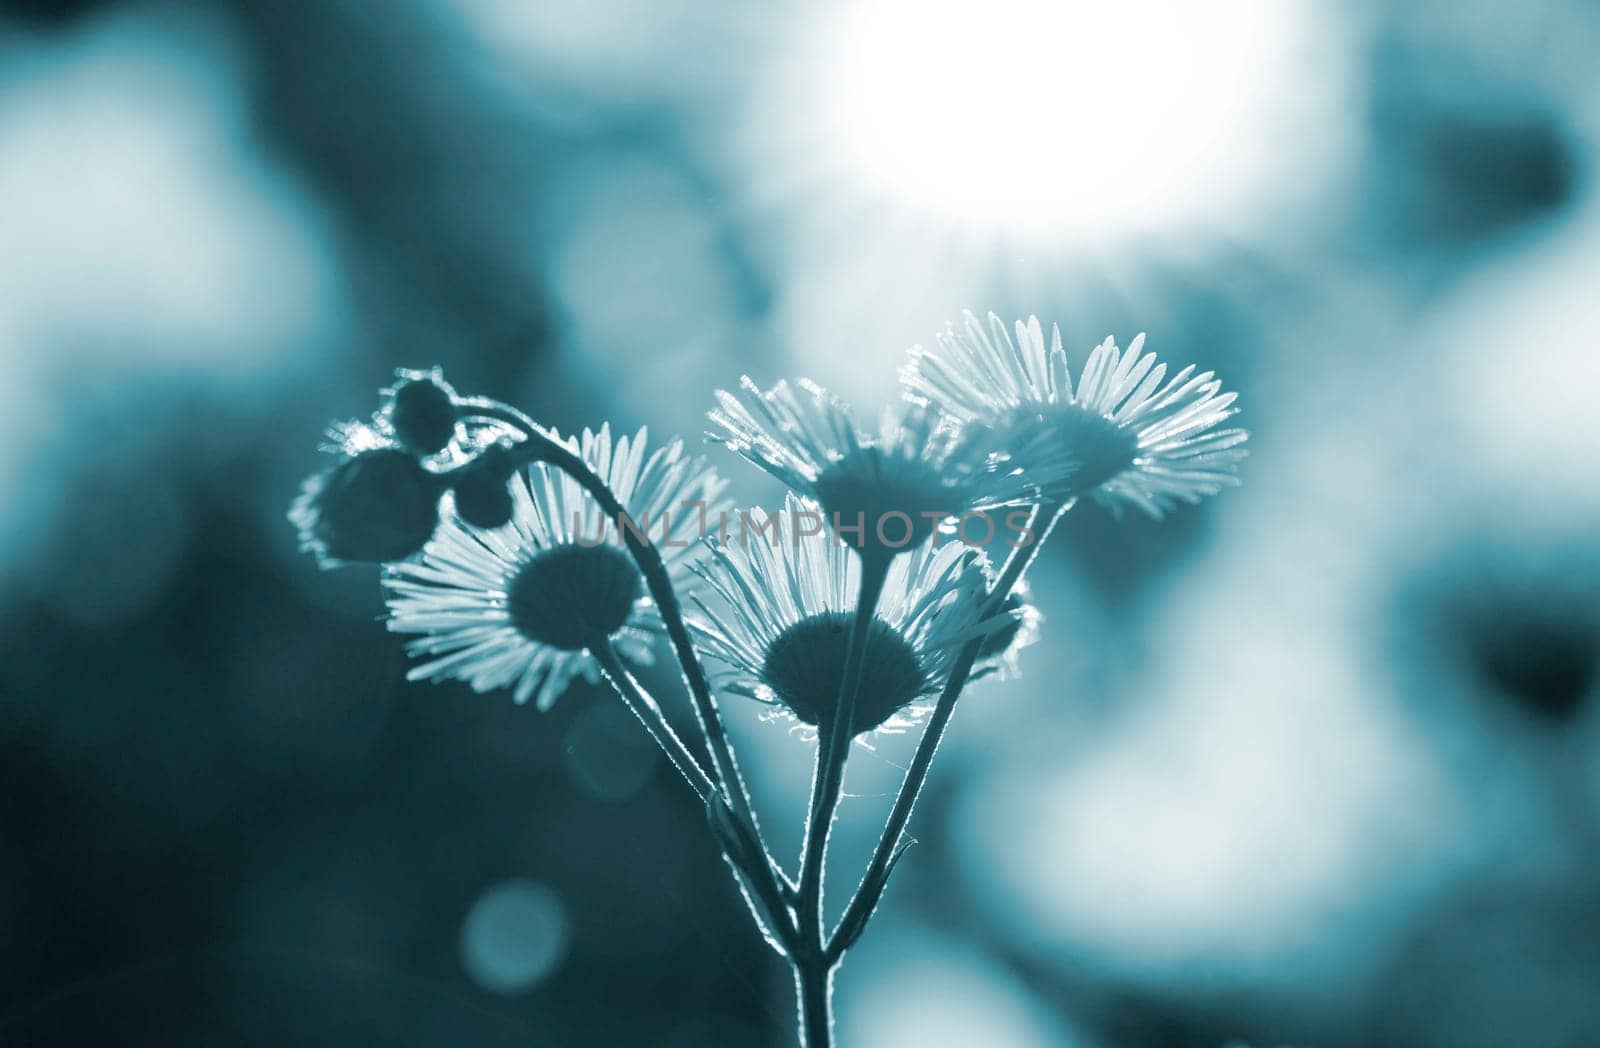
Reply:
x=1099, y=447
x=804, y=668
x=878, y=502
x=569, y=596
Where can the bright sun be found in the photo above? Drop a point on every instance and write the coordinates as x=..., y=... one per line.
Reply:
x=1064, y=119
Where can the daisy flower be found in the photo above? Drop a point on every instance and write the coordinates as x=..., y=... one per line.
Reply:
x=519, y=606
x=889, y=488
x=1127, y=434
x=778, y=623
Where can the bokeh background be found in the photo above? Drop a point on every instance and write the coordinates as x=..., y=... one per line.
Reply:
x=1313, y=764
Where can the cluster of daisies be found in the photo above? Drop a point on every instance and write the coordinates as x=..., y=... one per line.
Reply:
x=519, y=559
x=511, y=574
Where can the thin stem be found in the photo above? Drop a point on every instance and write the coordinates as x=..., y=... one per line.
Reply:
x=769, y=904
x=546, y=448
x=828, y=766
x=542, y=446
x=883, y=856
x=831, y=754
x=814, y=997
x=650, y=715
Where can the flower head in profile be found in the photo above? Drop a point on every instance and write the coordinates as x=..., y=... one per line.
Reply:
x=888, y=487
x=519, y=606
x=1125, y=434
x=776, y=616
x=1002, y=648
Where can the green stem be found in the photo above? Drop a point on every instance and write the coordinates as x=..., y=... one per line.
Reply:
x=812, y=967
x=542, y=447
x=742, y=852
x=769, y=904
x=871, y=888
x=814, y=997
x=650, y=715
x=539, y=445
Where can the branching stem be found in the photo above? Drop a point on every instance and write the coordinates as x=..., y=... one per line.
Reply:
x=650, y=715
x=833, y=747
x=813, y=968
x=1041, y=522
x=538, y=445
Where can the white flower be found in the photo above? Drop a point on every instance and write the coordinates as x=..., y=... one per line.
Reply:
x=519, y=606
x=1126, y=434
x=779, y=613
x=893, y=485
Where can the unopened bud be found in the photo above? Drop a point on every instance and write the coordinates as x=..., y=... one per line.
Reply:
x=379, y=506
x=423, y=412
x=482, y=489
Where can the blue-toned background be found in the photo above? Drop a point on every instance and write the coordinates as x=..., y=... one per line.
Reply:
x=1313, y=764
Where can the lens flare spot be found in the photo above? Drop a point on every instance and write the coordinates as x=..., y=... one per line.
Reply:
x=514, y=936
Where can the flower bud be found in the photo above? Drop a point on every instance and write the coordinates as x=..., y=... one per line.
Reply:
x=422, y=410
x=996, y=644
x=482, y=491
x=379, y=506
x=1001, y=648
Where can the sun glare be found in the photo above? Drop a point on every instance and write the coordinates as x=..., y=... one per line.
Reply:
x=1075, y=119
